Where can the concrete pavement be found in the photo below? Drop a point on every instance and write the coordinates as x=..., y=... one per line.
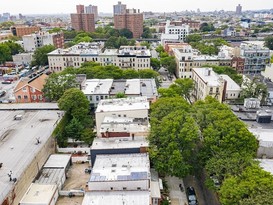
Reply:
x=177, y=196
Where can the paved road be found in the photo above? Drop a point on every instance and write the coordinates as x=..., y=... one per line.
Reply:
x=177, y=196
x=9, y=90
x=204, y=196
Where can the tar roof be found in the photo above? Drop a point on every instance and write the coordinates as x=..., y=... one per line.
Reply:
x=58, y=161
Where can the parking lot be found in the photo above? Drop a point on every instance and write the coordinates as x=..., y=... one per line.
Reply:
x=8, y=89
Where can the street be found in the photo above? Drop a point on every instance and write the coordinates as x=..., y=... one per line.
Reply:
x=165, y=77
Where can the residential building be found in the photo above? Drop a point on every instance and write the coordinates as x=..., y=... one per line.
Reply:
x=232, y=90
x=238, y=64
x=135, y=107
x=30, y=90
x=119, y=8
x=135, y=57
x=24, y=30
x=22, y=59
x=188, y=58
x=194, y=25
x=118, y=145
x=256, y=56
x=91, y=9
x=132, y=20
x=99, y=89
x=208, y=83
x=238, y=10
x=33, y=41
x=83, y=21
x=175, y=33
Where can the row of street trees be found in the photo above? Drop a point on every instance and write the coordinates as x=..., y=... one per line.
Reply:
x=188, y=139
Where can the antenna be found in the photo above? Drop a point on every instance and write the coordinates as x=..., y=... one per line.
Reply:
x=38, y=140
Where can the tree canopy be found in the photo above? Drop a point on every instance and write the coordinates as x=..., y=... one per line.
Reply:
x=40, y=55
x=7, y=49
x=269, y=42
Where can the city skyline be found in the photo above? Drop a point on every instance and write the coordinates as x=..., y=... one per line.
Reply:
x=106, y=6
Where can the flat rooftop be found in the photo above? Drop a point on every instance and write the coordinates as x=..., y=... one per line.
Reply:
x=121, y=167
x=119, y=143
x=231, y=85
x=265, y=136
x=18, y=140
x=51, y=176
x=208, y=76
x=124, y=124
x=97, y=86
x=39, y=194
x=29, y=106
x=58, y=161
x=81, y=49
x=117, y=197
x=123, y=104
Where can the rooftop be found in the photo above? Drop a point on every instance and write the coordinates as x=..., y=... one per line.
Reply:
x=51, y=176
x=97, y=86
x=58, y=161
x=265, y=136
x=117, y=197
x=119, y=143
x=29, y=106
x=39, y=194
x=267, y=165
x=18, y=142
x=208, y=76
x=231, y=85
x=80, y=49
x=121, y=167
x=134, y=50
x=124, y=124
x=123, y=104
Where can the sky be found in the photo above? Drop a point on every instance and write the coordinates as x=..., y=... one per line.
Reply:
x=106, y=6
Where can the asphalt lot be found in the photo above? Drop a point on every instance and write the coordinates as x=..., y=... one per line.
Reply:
x=9, y=90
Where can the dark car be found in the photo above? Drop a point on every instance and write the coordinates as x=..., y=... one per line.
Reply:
x=191, y=195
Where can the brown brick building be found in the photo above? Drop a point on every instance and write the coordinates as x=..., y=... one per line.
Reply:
x=82, y=21
x=131, y=20
x=24, y=30
x=238, y=63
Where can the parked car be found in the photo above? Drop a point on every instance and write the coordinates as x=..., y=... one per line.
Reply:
x=88, y=170
x=191, y=196
x=7, y=82
x=215, y=181
x=2, y=93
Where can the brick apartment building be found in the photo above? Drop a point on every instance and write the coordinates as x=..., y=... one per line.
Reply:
x=83, y=21
x=131, y=20
x=24, y=30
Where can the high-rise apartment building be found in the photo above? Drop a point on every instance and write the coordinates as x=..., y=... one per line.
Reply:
x=119, y=8
x=83, y=21
x=91, y=9
x=132, y=20
x=239, y=9
x=80, y=9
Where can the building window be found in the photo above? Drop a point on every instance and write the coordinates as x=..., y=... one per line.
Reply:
x=24, y=89
x=138, y=188
x=40, y=97
x=19, y=97
x=124, y=188
x=97, y=98
x=33, y=97
x=111, y=188
x=25, y=97
x=101, y=97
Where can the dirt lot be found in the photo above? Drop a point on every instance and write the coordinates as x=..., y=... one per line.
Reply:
x=76, y=177
x=76, y=180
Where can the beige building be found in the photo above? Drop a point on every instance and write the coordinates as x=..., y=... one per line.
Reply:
x=208, y=83
x=134, y=57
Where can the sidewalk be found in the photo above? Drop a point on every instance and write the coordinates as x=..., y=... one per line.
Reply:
x=177, y=196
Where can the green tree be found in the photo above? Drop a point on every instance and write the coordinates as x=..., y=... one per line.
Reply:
x=40, y=55
x=5, y=53
x=145, y=43
x=269, y=42
x=120, y=95
x=74, y=102
x=125, y=33
x=146, y=33
x=167, y=93
x=160, y=49
x=193, y=38
x=82, y=37
x=271, y=60
x=247, y=186
x=228, y=71
x=254, y=89
x=155, y=63
x=184, y=88
x=74, y=129
x=169, y=63
x=57, y=84
x=15, y=48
